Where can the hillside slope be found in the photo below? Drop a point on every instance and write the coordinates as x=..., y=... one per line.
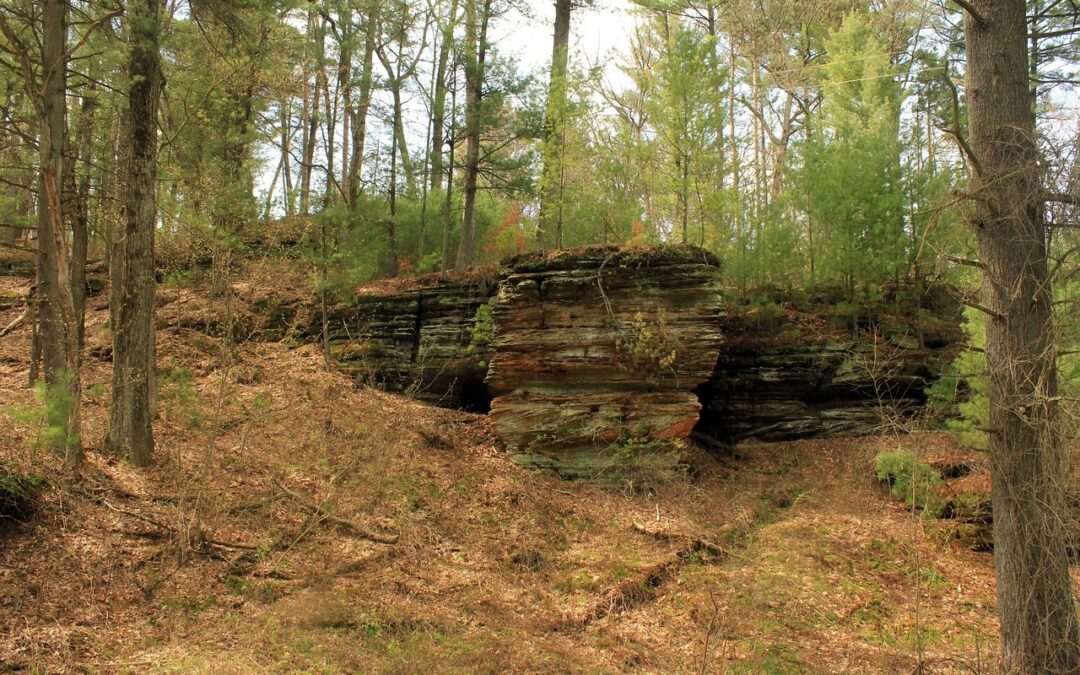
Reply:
x=249, y=546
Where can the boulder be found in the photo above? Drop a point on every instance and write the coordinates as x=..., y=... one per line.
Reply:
x=596, y=354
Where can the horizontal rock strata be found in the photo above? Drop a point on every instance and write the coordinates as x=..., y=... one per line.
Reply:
x=596, y=358
x=800, y=376
x=420, y=342
x=596, y=354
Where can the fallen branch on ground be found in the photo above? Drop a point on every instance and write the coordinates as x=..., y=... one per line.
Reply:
x=319, y=511
x=642, y=588
x=15, y=324
x=694, y=542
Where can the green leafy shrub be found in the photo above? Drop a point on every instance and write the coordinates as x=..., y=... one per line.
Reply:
x=961, y=395
x=765, y=313
x=50, y=417
x=175, y=387
x=911, y=480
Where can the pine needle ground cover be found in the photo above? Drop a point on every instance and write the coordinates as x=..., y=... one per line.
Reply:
x=239, y=550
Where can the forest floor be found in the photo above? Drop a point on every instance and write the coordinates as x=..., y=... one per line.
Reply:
x=247, y=548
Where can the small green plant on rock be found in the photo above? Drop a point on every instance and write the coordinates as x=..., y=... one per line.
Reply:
x=647, y=347
x=482, y=331
x=911, y=480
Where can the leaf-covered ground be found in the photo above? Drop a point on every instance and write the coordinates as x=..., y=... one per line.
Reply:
x=236, y=553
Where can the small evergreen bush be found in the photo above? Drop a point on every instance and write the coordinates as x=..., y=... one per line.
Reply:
x=911, y=480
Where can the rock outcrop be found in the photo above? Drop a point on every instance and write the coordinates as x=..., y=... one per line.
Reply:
x=803, y=374
x=421, y=342
x=592, y=359
x=596, y=354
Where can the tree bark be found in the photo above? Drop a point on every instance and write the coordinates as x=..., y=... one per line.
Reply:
x=80, y=205
x=130, y=432
x=549, y=224
x=310, y=111
x=56, y=312
x=359, y=123
x=438, y=108
x=1039, y=627
x=475, y=50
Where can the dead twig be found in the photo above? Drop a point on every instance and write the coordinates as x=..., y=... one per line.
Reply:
x=319, y=511
x=15, y=324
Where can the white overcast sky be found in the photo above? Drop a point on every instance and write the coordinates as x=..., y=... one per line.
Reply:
x=596, y=32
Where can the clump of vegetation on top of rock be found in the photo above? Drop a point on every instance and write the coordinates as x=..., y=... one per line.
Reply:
x=911, y=480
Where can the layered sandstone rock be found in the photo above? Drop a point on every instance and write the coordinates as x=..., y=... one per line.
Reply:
x=804, y=374
x=596, y=354
x=595, y=358
x=421, y=342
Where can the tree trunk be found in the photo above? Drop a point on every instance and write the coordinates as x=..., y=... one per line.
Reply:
x=286, y=150
x=56, y=312
x=130, y=416
x=311, y=116
x=345, y=92
x=1039, y=626
x=438, y=108
x=551, y=176
x=444, y=263
x=359, y=124
x=80, y=204
x=475, y=49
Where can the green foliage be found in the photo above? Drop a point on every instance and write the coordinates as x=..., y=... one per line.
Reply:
x=176, y=388
x=647, y=347
x=765, y=313
x=911, y=480
x=641, y=463
x=961, y=393
x=51, y=416
x=482, y=330
x=18, y=490
x=852, y=171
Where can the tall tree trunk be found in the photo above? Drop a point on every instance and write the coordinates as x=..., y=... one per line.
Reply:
x=444, y=263
x=130, y=415
x=475, y=50
x=286, y=150
x=359, y=124
x=345, y=92
x=80, y=204
x=331, y=137
x=1039, y=627
x=551, y=175
x=56, y=312
x=438, y=108
x=311, y=107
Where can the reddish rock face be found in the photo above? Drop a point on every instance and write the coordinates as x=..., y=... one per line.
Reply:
x=596, y=354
